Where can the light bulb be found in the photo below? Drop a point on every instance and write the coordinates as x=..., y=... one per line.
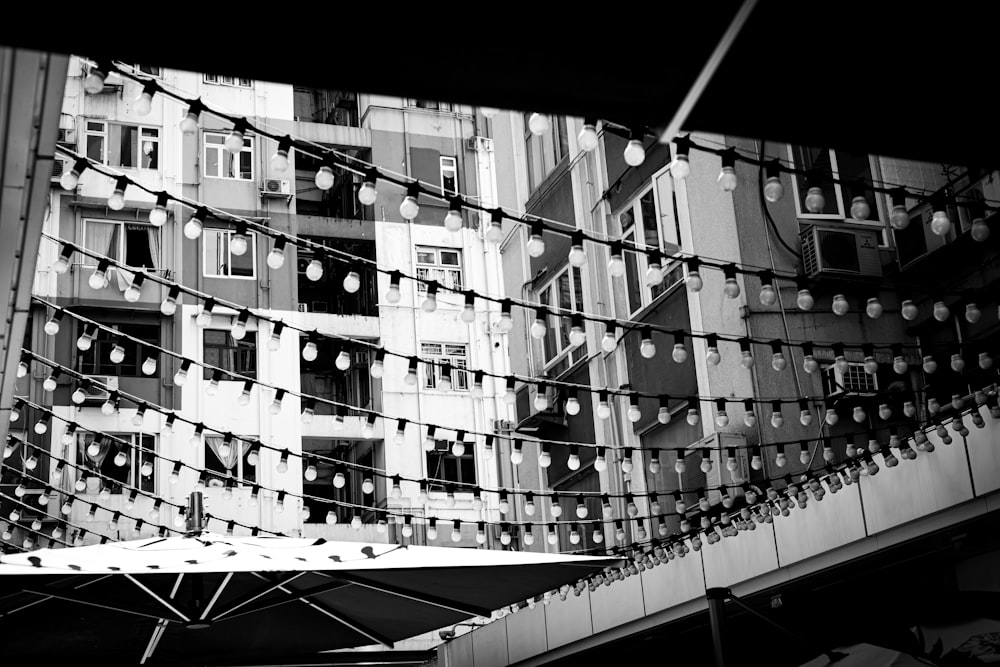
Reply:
x=634, y=414
x=276, y=258
x=694, y=281
x=680, y=166
x=768, y=295
x=143, y=103
x=535, y=246
x=647, y=349
x=773, y=189
x=972, y=313
x=238, y=244
x=50, y=383
x=721, y=419
x=679, y=353
x=98, y=279
x=310, y=351
x=980, y=231
x=860, y=210
x=780, y=460
x=841, y=364
x=132, y=293
x=873, y=309
x=616, y=265
x=957, y=363
x=539, y=124
x=809, y=364
x=899, y=218
x=746, y=359
x=51, y=328
x=693, y=417
x=805, y=417
x=538, y=328
x=635, y=153
x=577, y=337
x=815, y=201
x=367, y=193
x=343, y=361
x=603, y=409
x=314, y=271
x=778, y=361
x=859, y=414
x=453, y=221
x=324, y=178
x=409, y=208
x=609, y=342
x=805, y=300
x=940, y=223
x=871, y=366
x=727, y=179
x=985, y=361
x=587, y=138
x=777, y=420
x=941, y=311
x=108, y=407
x=840, y=305
x=750, y=419
x=712, y=357
x=731, y=288
x=193, y=228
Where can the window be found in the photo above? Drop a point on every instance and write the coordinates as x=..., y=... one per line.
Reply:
x=544, y=152
x=587, y=481
x=134, y=244
x=96, y=135
x=229, y=354
x=101, y=459
x=441, y=264
x=322, y=497
x=564, y=291
x=666, y=440
x=641, y=225
x=220, y=163
x=134, y=146
x=97, y=360
x=444, y=465
x=432, y=105
x=220, y=80
x=320, y=377
x=449, y=175
x=220, y=262
x=232, y=466
x=848, y=167
x=855, y=381
x=149, y=70
x=450, y=353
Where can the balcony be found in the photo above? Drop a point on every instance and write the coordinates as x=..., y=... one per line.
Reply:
x=327, y=295
x=329, y=117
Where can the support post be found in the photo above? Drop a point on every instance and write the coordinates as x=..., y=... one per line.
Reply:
x=717, y=616
x=195, y=513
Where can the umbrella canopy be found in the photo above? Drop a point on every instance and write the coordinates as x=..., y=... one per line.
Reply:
x=870, y=655
x=207, y=598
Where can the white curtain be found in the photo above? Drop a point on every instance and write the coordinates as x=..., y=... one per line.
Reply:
x=154, y=245
x=102, y=238
x=235, y=451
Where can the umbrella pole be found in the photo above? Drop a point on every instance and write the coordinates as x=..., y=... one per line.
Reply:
x=717, y=617
x=195, y=513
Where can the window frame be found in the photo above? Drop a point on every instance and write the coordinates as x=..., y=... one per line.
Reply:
x=459, y=366
x=139, y=138
x=239, y=478
x=101, y=346
x=454, y=170
x=87, y=260
x=439, y=267
x=557, y=149
x=134, y=465
x=555, y=321
x=103, y=134
x=219, y=80
x=442, y=451
x=249, y=341
x=158, y=74
x=227, y=233
x=843, y=206
x=222, y=149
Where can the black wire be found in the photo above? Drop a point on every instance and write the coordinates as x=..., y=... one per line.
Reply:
x=763, y=205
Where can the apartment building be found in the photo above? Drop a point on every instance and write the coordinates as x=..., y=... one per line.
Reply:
x=436, y=142
x=918, y=534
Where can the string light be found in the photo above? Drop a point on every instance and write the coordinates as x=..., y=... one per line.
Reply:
x=634, y=154
x=727, y=176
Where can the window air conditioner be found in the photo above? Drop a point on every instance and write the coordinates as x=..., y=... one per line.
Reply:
x=552, y=394
x=58, y=167
x=67, y=137
x=303, y=307
x=841, y=251
x=275, y=187
x=99, y=393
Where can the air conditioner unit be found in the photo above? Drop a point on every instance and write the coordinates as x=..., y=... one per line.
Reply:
x=275, y=187
x=58, y=167
x=67, y=137
x=841, y=251
x=471, y=143
x=303, y=308
x=502, y=425
x=552, y=394
x=100, y=393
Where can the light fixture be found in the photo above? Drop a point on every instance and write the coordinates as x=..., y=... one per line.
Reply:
x=367, y=192
x=539, y=124
x=315, y=269
x=840, y=305
x=679, y=353
x=204, y=318
x=99, y=278
x=768, y=295
x=731, y=288
x=616, y=261
x=680, y=166
x=144, y=102
x=899, y=217
x=972, y=313
x=71, y=178
x=746, y=354
x=727, y=176
x=874, y=308
x=279, y=161
x=749, y=414
x=941, y=311
x=196, y=223
x=311, y=349
x=609, y=341
x=693, y=279
x=603, y=406
x=538, y=326
x=773, y=189
x=634, y=153
x=778, y=362
x=429, y=303
x=940, y=222
x=274, y=342
x=410, y=208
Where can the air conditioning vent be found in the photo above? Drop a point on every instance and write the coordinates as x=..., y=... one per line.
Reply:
x=58, y=167
x=67, y=138
x=275, y=187
x=303, y=308
x=841, y=252
x=100, y=393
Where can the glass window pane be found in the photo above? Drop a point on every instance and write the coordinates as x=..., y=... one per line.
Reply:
x=650, y=224
x=626, y=218
x=213, y=242
x=246, y=165
x=632, y=281
x=449, y=258
x=425, y=256
x=819, y=159
x=852, y=166
x=243, y=265
x=95, y=147
x=128, y=148
x=211, y=161
x=214, y=139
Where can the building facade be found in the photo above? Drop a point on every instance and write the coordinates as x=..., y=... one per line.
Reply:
x=435, y=142
x=853, y=264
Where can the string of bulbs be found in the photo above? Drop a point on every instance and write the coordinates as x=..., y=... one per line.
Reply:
x=577, y=337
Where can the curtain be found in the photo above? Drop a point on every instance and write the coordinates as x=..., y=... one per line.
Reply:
x=154, y=246
x=102, y=237
x=235, y=451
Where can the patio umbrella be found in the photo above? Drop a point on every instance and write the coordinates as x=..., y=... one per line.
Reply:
x=205, y=598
